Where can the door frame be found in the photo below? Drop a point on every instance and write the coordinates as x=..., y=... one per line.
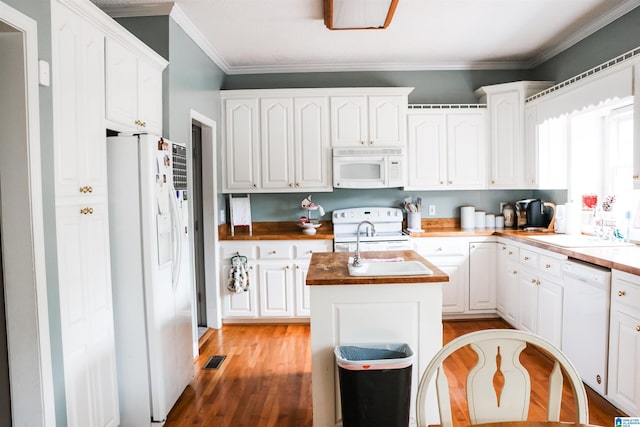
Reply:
x=210, y=218
x=23, y=240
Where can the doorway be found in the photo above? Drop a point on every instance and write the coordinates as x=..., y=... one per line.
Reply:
x=207, y=312
x=24, y=289
x=198, y=237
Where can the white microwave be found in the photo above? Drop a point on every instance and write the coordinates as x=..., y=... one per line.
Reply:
x=366, y=167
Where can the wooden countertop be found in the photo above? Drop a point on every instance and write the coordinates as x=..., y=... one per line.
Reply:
x=620, y=258
x=330, y=268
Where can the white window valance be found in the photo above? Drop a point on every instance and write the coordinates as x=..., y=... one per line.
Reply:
x=593, y=91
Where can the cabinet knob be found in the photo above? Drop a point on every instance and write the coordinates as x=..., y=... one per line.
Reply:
x=473, y=246
x=297, y=184
x=533, y=281
x=273, y=252
x=621, y=293
x=526, y=258
x=450, y=181
x=86, y=189
x=441, y=182
x=370, y=142
x=362, y=142
x=492, y=181
x=290, y=184
x=309, y=251
x=510, y=252
x=547, y=266
x=439, y=250
x=297, y=267
x=636, y=176
x=638, y=328
x=287, y=267
x=514, y=272
x=504, y=248
x=86, y=211
x=251, y=267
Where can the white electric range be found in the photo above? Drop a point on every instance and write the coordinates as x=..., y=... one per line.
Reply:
x=388, y=233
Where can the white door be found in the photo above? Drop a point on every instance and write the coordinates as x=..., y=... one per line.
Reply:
x=528, y=301
x=242, y=144
x=427, y=151
x=482, y=278
x=276, y=299
x=276, y=125
x=311, y=146
x=507, y=146
x=467, y=155
x=624, y=357
x=303, y=300
x=387, y=120
x=349, y=126
x=149, y=97
x=549, y=324
x=121, y=84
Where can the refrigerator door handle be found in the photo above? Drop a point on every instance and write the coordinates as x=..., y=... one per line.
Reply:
x=177, y=261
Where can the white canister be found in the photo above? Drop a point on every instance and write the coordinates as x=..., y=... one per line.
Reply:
x=499, y=221
x=480, y=220
x=467, y=217
x=490, y=221
x=414, y=220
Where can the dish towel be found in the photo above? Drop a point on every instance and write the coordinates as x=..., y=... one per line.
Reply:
x=240, y=212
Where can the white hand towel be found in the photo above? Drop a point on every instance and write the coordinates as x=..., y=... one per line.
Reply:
x=241, y=211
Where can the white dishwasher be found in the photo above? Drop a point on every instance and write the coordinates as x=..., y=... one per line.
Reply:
x=585, y=321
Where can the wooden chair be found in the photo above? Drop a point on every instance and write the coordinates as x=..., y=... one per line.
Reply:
x=498, y=386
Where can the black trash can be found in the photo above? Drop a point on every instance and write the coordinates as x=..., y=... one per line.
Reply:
x=375, y=384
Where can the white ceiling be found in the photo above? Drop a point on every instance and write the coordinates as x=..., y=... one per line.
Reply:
x=266, y=36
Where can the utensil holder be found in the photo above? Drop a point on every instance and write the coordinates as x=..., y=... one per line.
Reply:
x=414, y=220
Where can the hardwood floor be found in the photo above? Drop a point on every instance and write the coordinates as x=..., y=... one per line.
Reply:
x=265, y=380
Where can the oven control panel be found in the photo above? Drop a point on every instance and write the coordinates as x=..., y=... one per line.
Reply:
x=375, y=215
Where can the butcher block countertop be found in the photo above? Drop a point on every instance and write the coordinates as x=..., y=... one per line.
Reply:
x=330, y=268
x=620, y=258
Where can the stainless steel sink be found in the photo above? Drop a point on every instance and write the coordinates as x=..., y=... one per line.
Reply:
x=396, y=268
x=578, y=241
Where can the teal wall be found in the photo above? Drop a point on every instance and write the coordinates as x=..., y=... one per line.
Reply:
x=617, y=38
x=40, y=11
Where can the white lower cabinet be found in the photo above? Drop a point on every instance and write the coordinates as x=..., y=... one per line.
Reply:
x=470, y=264
x=623, y=388
x=482, y=276
x=277, y=275
x=530, y=292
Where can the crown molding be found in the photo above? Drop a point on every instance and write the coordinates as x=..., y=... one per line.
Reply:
x=175, y=12
x=584, y=32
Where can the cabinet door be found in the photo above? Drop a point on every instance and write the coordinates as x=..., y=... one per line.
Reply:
x=528, y=301
x=78, y=96
x=511, y=303
x=276, y=290
x=276, y=125
x=427, y=151
x=122, y=84
x=349, y=125
x=501, y=278
x=549, y=322
x=507, y=145
x=86, y=316
x=311, y=147
x=466, y=150
x=482, y=276
x=303, y=300
x=387, y=120
x=624, y=361
x=242, y=304
x=149, y=97
x=242, y=145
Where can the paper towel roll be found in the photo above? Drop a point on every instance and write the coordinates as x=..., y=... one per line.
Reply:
x=467, y=217
x=480, y=220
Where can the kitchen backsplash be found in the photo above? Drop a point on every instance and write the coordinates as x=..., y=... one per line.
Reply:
x=286, y=206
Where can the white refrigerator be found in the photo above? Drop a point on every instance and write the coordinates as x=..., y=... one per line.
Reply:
x=151, y=273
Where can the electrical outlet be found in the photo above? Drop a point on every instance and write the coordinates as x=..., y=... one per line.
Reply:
x=432, y=210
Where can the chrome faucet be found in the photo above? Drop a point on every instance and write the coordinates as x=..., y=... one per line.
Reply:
x=356, y=255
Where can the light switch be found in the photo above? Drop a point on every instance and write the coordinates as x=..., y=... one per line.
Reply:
x=44, y=76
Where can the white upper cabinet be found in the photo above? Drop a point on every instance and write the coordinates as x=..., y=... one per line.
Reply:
x=312, y=152
x=78, y=87
x=505, y=105
x=134, y=89
x=636, y=127
x=279, y=140
x=368, y=120
x=446, y=149
x=242, y=145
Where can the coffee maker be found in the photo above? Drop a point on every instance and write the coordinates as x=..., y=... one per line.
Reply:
x=534, y=214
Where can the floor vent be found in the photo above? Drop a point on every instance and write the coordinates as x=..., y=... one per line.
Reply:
x=214, y=362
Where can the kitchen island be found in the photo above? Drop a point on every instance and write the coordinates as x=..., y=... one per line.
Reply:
x=349, y=309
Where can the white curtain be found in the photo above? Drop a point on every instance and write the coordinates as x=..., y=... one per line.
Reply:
x=593, y=91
